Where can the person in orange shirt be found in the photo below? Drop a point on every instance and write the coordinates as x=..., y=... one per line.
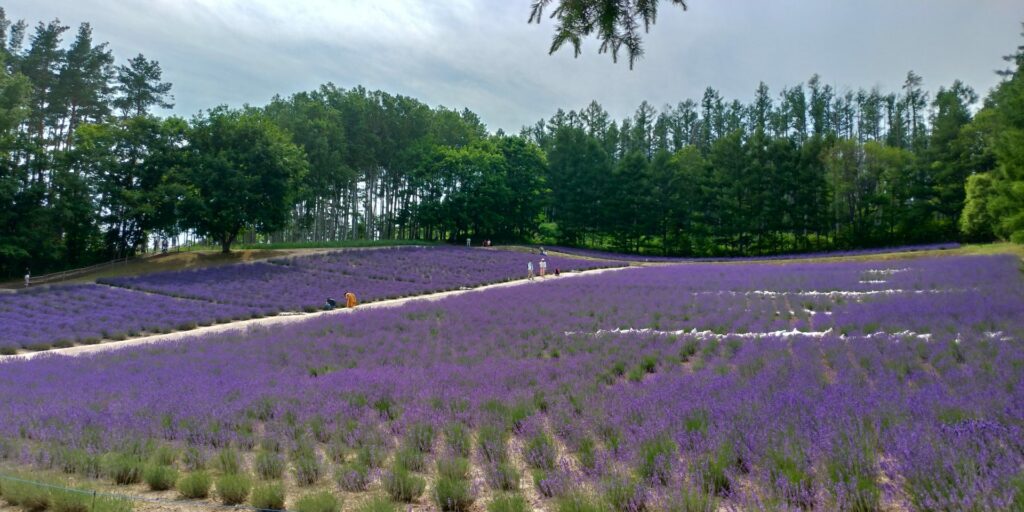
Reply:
x=350, y=300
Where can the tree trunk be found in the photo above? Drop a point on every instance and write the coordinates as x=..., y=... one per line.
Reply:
x=225, y=242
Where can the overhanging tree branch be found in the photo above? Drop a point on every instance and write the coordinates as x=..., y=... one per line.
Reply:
x=615, y=22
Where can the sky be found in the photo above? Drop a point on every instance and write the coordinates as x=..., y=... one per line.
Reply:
x=483, y=55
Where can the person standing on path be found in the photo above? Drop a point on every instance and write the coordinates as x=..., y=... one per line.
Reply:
x=350, y=300
x=543, y=267
x=28, y=278
x=529, y=270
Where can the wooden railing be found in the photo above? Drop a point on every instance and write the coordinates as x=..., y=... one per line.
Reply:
x=64, y=275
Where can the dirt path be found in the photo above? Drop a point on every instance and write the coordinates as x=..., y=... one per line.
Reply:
x=285, y=318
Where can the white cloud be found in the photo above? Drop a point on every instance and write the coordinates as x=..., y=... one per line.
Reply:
x=482, y=54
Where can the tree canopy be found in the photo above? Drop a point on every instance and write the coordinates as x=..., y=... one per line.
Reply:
x=242, y=170
x=995, y=201
x=89, y=171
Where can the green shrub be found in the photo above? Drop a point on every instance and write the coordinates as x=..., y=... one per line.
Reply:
x=953, y=415
x=649, y=363
x=791, y=469
x=268, y=496
x=696, y=421
x=195, y=485
x=270, y=444
x=387, y=408
x=160, y=478
x=62, y=500
x=586, y=452
x=519, y=412
x=371, y=456
x=410, y=458
x=713, y=470
x=77, y=460
x=322, y=501
x=123, y=468
x=337, y=447
x=624, y=494
x=502, y=476
x=611, y=436
x=78, y=501
x=1018, y=499
x=421, y=436
x=164, y=456
x=690, y=501
x=233, y=489
x=732, y=346
x=619, y=369
x=453, y=494
x=540, y=451
x=228, y=462
x=317, y=425
x=28, y=496
x=711, y=349
x=508, y=503
x=308, y=469
x=377, y=504
x=455, y=467
x=194, y=459
x=353, y=477
x=852, y=472
x=456, y=439
x=636, y=374
x=578, y=502
x=269, y=465
x=657, y=456
x=491, y=440
x=689, y=350
x=402, y=485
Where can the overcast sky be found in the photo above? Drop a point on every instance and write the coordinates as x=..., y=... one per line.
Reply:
x=481, y=54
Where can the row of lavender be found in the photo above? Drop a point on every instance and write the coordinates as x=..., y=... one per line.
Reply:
x=61, y=316
x=64, y=315
x=648, y=388
x=305, y=282
x=594, y=253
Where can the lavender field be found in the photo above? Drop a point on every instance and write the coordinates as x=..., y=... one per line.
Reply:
x=304, y=282
x=860, y=386
x=652, y=258
x=60, y=316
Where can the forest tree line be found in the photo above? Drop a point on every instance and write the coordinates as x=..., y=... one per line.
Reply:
x=88, y=172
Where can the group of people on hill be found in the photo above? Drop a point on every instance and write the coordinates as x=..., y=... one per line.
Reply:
x=351, y=301
x=542, y=266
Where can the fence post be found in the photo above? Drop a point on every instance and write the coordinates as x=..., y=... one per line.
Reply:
x=93, y=509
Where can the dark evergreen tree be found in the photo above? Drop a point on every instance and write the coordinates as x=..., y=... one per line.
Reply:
x=140, y=88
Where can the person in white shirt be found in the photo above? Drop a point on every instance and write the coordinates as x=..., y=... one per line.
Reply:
x=529, y=270
x=543, y=267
